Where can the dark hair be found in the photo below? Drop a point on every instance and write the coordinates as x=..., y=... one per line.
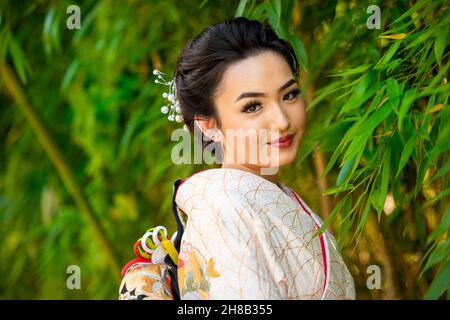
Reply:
x=204, y=59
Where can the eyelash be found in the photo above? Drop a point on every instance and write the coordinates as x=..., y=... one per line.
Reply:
x=253, y=103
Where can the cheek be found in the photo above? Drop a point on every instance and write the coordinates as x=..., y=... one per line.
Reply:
x=298, y=117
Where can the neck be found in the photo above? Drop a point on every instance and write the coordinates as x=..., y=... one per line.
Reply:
x=253, y=169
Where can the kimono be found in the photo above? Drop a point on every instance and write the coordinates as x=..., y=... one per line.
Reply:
x=248, y=238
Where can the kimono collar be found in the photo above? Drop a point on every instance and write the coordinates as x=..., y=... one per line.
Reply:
x=212, y=182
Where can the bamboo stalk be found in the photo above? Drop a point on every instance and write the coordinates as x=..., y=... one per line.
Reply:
x=319, y=167
x=319, y=164
x=380, y=251
x=58, y=160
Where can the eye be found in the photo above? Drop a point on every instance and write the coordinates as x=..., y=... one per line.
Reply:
x=251, y=107
x=294, y=93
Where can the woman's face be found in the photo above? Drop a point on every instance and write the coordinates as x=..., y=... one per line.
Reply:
x=258, y=101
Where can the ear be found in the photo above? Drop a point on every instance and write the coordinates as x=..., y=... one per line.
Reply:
x=208, y=126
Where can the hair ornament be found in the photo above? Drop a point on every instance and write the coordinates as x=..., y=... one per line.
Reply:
x=173, y=108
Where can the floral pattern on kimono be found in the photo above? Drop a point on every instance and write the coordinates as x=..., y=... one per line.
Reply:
x=194, y=273
x=145, y=281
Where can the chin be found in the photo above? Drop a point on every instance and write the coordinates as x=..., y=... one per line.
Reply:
x=285, y=156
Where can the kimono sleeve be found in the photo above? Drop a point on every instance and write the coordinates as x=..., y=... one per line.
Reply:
x=223, y=254
x=145, y=281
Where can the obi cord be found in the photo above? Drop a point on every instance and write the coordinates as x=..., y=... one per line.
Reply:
x=156, y=248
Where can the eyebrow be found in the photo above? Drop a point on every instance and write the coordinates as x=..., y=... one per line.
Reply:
x=260, y=94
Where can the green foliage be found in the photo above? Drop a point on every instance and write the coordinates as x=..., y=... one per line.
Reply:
x=94, y=91
x=377, y=107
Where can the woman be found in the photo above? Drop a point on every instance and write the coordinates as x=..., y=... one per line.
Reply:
x=246, y=235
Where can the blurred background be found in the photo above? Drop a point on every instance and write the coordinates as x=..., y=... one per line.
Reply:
x=85, y=163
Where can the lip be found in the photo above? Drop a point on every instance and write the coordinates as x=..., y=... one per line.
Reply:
x=282, y=142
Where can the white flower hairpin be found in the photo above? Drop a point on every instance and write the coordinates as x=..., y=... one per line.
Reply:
x=173, y=109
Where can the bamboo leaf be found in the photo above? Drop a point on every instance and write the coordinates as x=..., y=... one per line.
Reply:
x=345, y=170
x=406, y=153
x=441, y=43
x=365, y=130
x=273, y=8
x=393, y=92
x=438, y=254
x=332, y=215
x=384, y=179
x=4, y=42
x=408, y=99
x=398, y=36
x=421, y=175
x=360, y=93
x=69, y=75
x=19, y=60
x=388, y=56
x=338, y=189
x=301, y=52
x=440, y=283
x=440, y=147
x=363, y=219
x=419, y=5
x=443, y=226
x=442, y=194
x=240, y=9
x=442, y=171
x=436, y=108
x=351, y=71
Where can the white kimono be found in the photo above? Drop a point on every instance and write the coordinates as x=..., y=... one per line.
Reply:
x=245, y=238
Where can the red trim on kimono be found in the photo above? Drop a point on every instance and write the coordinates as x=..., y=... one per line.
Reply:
x=131, y=263
x=322, y=243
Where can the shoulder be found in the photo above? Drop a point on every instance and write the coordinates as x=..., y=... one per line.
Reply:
x=222, y=206
x=217, y=179
x=216, y=188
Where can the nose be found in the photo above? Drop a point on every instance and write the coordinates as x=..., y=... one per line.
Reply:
x=279, y=119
